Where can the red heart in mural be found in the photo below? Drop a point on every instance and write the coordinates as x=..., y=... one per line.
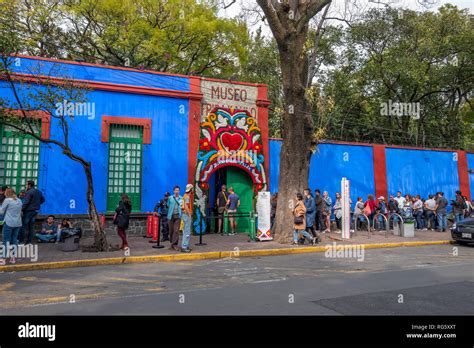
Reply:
x=232, y=142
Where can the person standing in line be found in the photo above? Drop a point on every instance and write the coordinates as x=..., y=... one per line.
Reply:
x=221, y=203
x=393, y=210
x=327, y=205
x=122, y=219
x=382, y=210
x=161, y=209
x=418, y=211
x=3, y=189
x=318, y=200
x=358, y=211
x=400, y=201
x=338, y=212
x=232, y=204
x=370, y=206
x=407, y=207
x=469, y=209
x=429, y=208
x=187, y=217
x=310, y=206
x=175, y=212
x=441, y=206
x=299, y=221
x=11, y=210
x=458, y=207
x=31, y=205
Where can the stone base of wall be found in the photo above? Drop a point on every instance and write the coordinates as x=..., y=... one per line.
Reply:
x=138, y=223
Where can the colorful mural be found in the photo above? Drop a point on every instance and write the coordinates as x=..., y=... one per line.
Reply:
x=229, y=137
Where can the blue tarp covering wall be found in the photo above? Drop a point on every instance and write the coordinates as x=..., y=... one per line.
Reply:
x=63, y=181
x=410, y=171
x=470, y=165
x=329, y=164
x=99, y=74
x=332, y=162
x=422, y=172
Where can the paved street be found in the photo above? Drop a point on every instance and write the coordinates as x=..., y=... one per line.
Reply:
x=426, y=280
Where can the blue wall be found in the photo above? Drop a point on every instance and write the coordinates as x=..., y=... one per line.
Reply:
x=470, y=165
x=332, y=162
x=164, y=161
x=329, y=164
x=422, y=172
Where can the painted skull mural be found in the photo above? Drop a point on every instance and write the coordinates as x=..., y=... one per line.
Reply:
x=229, y=137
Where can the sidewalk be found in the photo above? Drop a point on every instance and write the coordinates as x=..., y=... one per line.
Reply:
x=217, y=246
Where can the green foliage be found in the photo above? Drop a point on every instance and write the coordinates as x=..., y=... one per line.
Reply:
x=179, y=36
x=407, y=57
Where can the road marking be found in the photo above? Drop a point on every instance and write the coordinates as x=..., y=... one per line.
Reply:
x=60, y=281
x=268, y=280
x=6, y=286
x=155, y=289
x=134, y=280
x=44, y=301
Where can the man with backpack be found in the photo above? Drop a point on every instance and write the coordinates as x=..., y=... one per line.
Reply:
x=161, y=209
x=31, y=205
x=458, y=207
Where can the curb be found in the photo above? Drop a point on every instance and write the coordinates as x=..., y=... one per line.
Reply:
x=203, y=256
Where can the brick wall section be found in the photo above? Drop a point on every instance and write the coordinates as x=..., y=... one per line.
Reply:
x=137, y=227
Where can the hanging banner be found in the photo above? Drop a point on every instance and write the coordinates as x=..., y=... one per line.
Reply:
x=346, y=209
x=263, y=211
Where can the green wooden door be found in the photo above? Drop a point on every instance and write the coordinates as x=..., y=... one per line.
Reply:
x=125, y=165
x=242, y=184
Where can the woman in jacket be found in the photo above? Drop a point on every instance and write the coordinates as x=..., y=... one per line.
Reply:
x=122, y=218
x=299, y=218
x=11, y=209
x=372, y=206
x=310, y=206
x=338, y=212
x=327, y=205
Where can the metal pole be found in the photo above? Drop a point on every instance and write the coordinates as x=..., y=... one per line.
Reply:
x=201, y=232
x=158, y=246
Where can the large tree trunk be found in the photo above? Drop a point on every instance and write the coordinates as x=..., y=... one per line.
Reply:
x=100, y=240
x=298, y=137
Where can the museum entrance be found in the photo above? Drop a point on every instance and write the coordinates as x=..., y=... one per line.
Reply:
x=242, y=184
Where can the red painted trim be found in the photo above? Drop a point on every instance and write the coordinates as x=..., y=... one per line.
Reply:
x=73, y=62
x=263, y=125
x=380, y=171
x=194, y=127
x=43, y=115
x=464, y=185
x=106, y=86
x=108, y=120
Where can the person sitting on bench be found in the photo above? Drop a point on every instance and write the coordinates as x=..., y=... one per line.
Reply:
x=66, y=224
x=49, y=230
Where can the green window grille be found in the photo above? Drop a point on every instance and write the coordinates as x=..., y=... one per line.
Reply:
x=19, y=157
x=125, y=165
